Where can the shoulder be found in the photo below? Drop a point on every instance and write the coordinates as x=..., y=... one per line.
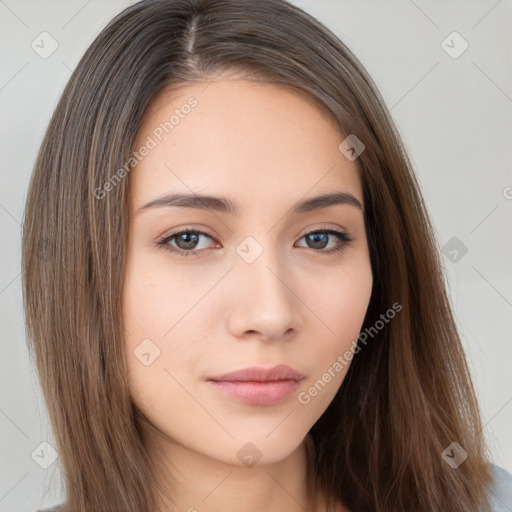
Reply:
x=500, y=491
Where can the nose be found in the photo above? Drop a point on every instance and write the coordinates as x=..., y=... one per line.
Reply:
x=263, y=301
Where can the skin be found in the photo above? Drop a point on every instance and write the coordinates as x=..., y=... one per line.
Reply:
x=264, y=147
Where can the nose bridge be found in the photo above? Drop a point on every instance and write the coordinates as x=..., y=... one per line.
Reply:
x=264, y=301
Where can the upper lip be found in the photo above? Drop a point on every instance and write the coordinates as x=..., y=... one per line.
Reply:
x=259, y=374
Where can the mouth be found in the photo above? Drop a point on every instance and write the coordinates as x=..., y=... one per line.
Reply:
x=258, y=386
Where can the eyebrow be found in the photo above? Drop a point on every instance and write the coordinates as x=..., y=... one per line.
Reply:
x=224, y=205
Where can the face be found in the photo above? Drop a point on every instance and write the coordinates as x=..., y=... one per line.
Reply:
x=250, y=280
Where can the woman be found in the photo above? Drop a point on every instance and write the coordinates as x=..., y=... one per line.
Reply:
x=241, y=303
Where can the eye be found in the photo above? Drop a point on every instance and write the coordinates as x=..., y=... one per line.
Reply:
x=187, y=242
x=320, y=239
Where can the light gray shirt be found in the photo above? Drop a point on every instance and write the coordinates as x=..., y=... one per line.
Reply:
x=500, y=492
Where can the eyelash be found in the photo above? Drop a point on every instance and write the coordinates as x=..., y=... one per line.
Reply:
x=342, y=236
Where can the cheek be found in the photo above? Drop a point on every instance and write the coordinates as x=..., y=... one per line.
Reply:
x=341, y=309
x=160, y=311
x=341, y=303
x=340, y=306
x=156, y=296
x=158, y=364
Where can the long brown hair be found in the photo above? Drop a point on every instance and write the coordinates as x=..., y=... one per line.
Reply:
x=408, y=393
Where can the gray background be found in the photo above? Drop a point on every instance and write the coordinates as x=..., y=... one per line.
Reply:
x=455, y=115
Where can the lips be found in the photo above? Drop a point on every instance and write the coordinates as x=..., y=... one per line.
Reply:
x=258, y=386
x=258, y=374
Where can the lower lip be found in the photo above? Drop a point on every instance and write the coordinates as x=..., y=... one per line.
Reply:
x=257, y=393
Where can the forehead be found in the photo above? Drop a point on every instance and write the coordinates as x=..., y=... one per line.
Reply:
x=252, y=141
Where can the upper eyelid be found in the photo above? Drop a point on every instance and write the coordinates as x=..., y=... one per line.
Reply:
x=186, y=230
x=170, y=236
x=203, y=232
